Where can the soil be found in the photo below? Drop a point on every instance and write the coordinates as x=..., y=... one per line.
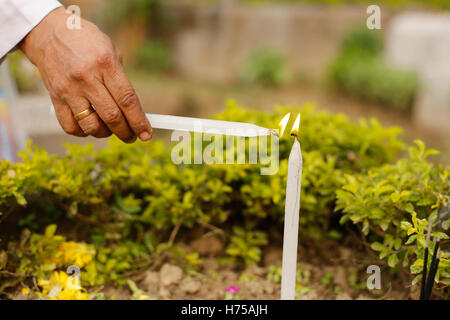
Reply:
x=326, y=272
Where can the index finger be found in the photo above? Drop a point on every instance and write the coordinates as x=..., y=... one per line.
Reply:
x=123, y=93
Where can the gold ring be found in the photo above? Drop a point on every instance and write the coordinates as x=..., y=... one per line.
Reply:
x=84, y=114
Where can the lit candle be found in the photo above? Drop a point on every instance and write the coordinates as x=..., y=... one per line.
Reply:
x=291, y=217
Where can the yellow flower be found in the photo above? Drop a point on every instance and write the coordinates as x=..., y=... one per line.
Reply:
x=61, y=286
x=73, y=253
x=26, y=291
x=72, y=294
x=79, y=254
x=58, y=280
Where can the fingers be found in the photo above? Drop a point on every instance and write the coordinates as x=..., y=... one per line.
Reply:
x=110, y=113
x=92, y=125
x=125, y=97
x=66, y=119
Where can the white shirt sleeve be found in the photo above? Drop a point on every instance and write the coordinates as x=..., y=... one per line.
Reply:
x=18, y=18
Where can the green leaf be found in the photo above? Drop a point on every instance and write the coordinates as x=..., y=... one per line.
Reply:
x=353, y=188
x=395, y=197
x=397, y=243
x=422, y=242
x=418, y=263
x=377, y=246
x=440, y=234
x=414, y=220
x=50, y=230
x=411, y=239
x=421, y=145
x=405, y=225
x=446, y=224
x=411, y=231
x=384, y=253
x=409, y=208
x=48, y=266
x=393, y=260
x=416, y=279
x=384, y=224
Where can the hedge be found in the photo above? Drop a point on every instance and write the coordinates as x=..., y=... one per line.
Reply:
x=122, y=206
x=359, y=71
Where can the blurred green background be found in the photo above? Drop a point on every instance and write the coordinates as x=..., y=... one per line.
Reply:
x=187, y=57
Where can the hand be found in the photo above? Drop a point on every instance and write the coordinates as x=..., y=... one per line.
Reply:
x=81, y=67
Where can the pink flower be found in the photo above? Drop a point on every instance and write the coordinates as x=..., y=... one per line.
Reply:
x=232, y=289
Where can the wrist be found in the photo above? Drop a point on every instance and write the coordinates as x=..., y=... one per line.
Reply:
x=35, y=42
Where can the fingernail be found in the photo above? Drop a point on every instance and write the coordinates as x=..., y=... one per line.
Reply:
x=144, y=136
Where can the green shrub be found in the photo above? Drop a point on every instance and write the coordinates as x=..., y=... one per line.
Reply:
x=130, y=201
x=331, y=146
x=154, y=56
x=142, y=182
x=245, y=245
x=371, y=80
x=265, y=67
x=359, y=71
x=385, y=200
x=363, y=41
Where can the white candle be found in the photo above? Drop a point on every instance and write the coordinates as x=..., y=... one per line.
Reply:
x=241, y=129
x=291, y=218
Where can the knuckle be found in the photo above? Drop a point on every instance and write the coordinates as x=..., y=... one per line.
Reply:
x=141, y=125
x=105, y=60
x=113, y=117
x=61, y=88
x=128, y=99
x=78, y=73
x=72, y=130
x=103, y=132
x=65, y=95
x=91, y=128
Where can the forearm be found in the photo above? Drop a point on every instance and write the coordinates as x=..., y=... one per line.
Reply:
x=35, y=42
x=18, y=18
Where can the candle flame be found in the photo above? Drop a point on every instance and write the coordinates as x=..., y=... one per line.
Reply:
x=296, y=126
x=283, y=123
